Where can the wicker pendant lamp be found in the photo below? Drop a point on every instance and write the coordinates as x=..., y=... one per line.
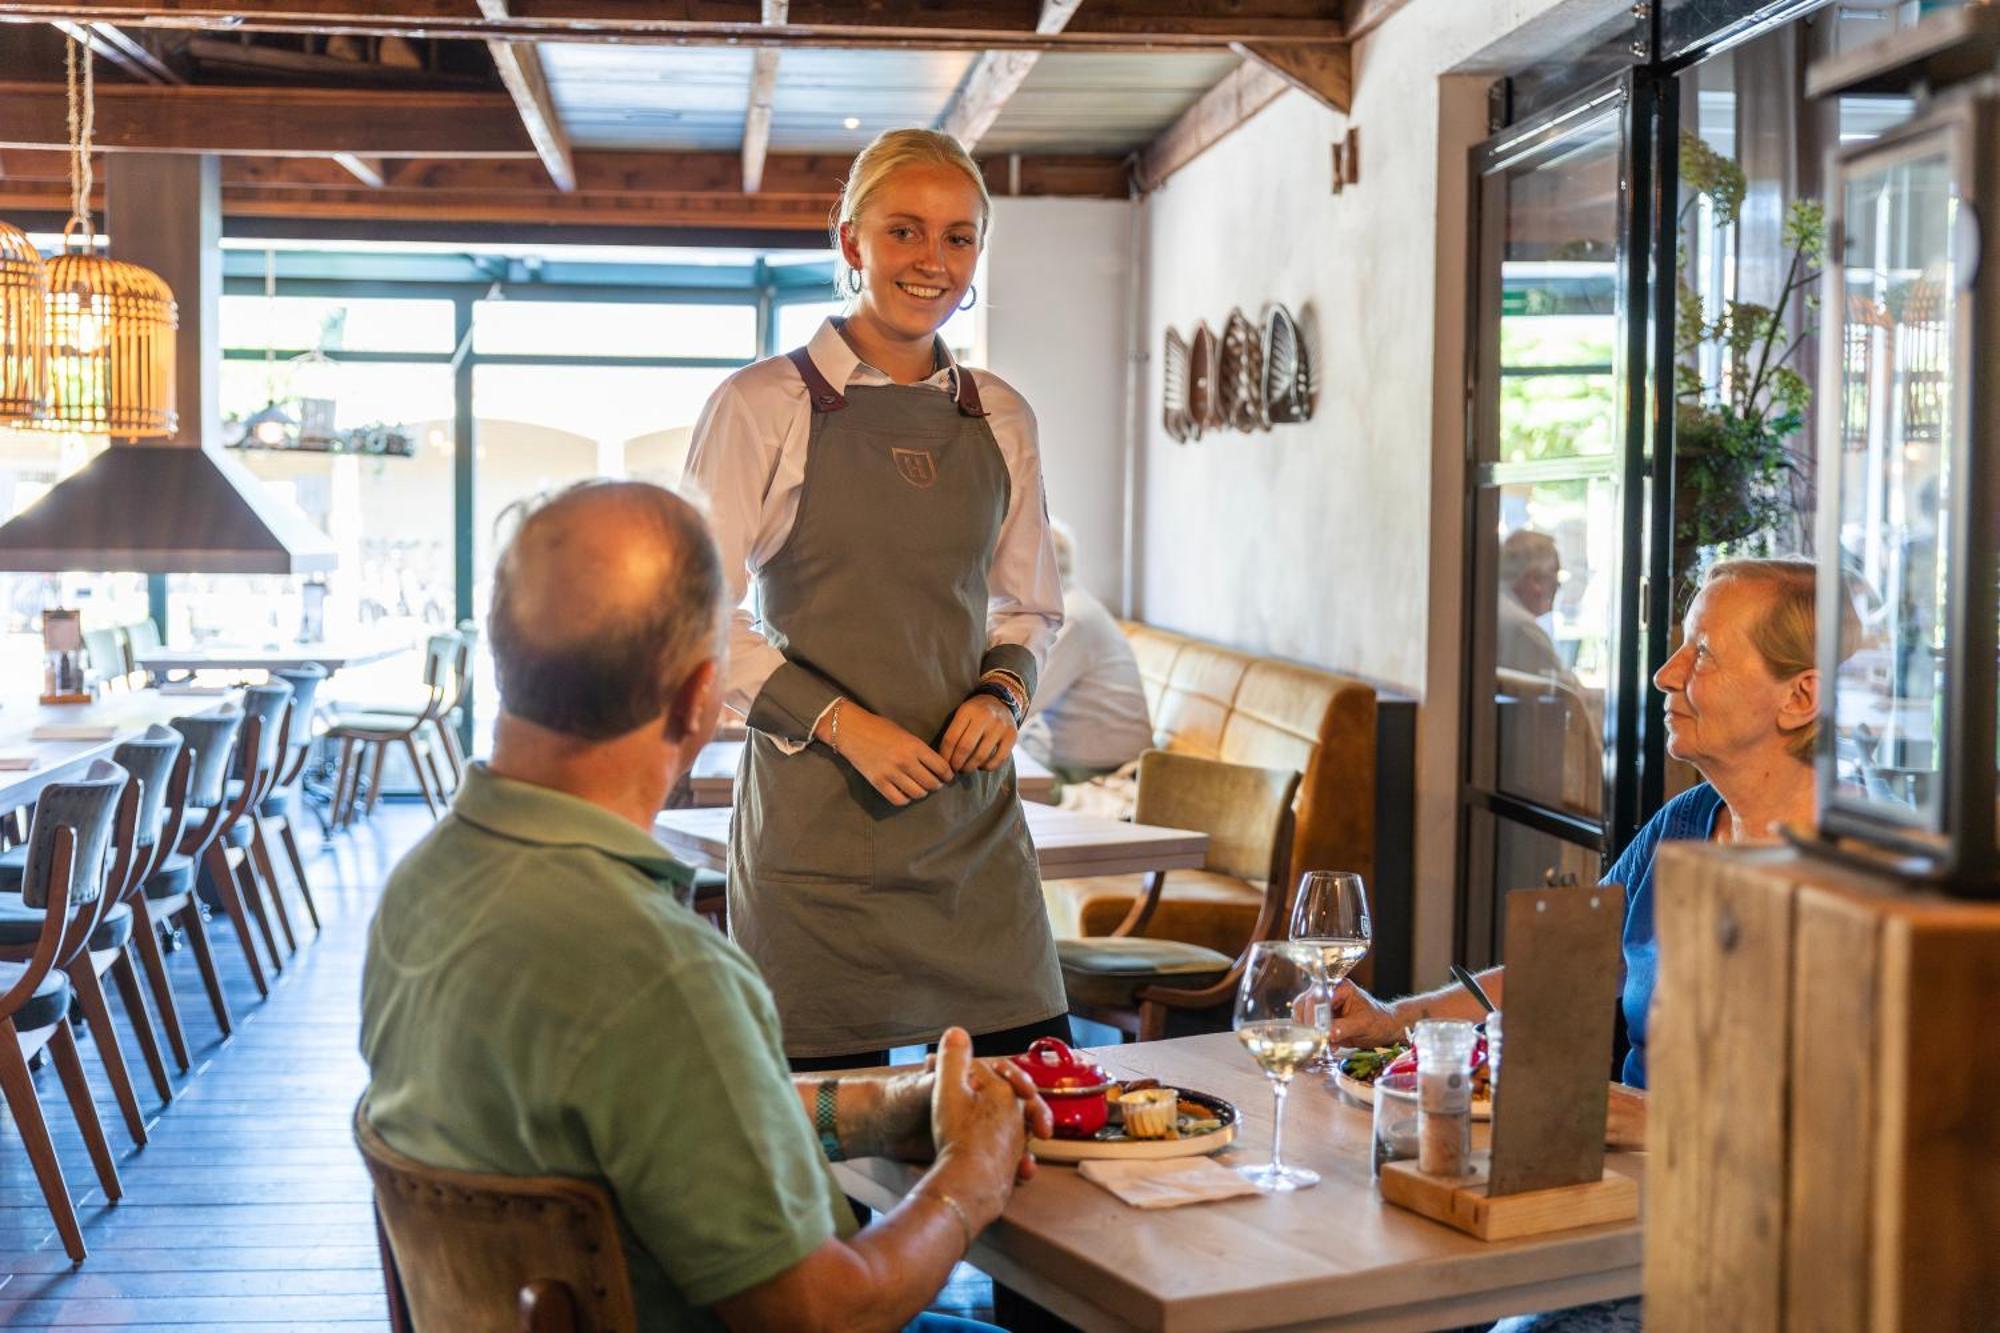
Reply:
x=24, y=299
x=110, y=325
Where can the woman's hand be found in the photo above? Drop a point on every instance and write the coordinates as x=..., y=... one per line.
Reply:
x=981, y=735
x=1625, y=1119
x=894, y=762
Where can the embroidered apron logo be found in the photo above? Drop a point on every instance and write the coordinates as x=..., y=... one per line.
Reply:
x=916, y=466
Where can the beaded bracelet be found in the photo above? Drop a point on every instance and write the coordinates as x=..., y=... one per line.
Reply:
x=995, y=690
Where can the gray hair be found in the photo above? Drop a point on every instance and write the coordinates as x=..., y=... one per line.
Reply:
x=1526, y=551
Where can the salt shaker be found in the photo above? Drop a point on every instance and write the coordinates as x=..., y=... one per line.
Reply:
x=1493, y=1050
x=1444, y=1096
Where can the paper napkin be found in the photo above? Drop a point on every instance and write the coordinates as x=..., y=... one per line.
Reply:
x=1166, y=1184
x=17, y=763
x=74, y=731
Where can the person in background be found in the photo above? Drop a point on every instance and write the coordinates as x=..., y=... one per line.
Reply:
x=888, y=503
x=537, y=999
x=1090, y=708
x=1742, y=706
x=1530, y=575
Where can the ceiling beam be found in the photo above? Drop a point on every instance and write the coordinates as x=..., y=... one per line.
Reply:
x=1220, y=110
x=1105, y=25
x=307, y=121
x=368, y=170
x=1364, y=16
x=109, y=43
x=520, y=67
x=763, y=91
x=1322, y=73
x=995, y=77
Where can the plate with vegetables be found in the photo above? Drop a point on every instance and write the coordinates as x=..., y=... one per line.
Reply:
x=1355, y=1073
x=1145, y=1120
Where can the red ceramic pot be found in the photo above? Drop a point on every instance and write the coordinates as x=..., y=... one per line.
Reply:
x=1072, y=1086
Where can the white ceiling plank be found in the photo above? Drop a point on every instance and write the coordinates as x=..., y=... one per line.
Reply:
x=521, y=72
x=763, y=88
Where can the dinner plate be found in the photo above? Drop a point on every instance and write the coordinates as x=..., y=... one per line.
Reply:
x=1482, y=1107
x=1200, y=1145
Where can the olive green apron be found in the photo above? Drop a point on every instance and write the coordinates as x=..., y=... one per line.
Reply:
x=876, y=925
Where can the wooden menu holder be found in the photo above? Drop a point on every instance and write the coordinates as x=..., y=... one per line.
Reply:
x=1546, y=1170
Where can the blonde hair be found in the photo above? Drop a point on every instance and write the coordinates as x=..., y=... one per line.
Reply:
x=1787, y=635
x=891, y=151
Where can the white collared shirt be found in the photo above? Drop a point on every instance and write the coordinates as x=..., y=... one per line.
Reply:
x=747, y=460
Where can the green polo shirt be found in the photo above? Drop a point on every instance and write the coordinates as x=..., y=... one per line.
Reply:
x=538, y=1001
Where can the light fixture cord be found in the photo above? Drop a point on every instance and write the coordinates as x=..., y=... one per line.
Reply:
x=82, y=123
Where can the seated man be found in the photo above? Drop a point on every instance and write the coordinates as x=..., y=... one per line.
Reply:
x=1089, y=715
x=537, y=999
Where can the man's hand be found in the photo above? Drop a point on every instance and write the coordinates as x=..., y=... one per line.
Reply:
x=981, y=735
x=1359, y=1019
x=903, y=1112
x=894, y=762
x=1625, y=1119
x=978, y=1127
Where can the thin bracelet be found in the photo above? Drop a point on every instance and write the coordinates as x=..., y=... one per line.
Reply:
x=964, y=1222
x=833, y=739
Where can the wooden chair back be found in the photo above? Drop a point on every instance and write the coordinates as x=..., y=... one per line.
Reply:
x=106, y=648
x=84, y=815
x=58, y=925
x=479, y=1251
x=151, y=760
x=305, y=680
x=211, y=741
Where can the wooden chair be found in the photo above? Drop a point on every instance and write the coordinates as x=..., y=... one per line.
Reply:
x=64, y=879
x=1131, y=981
x=161, y=763
x=232, y=869
x=106, y=648
x=169, y=890
x=111, y=932
x=366, y=735
x=141, y=637
x=477, y=1251
x=278, y=812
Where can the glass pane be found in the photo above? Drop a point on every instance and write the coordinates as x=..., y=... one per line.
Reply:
x=612, y=328
x=1558, y=313
x=1554, y=597
x=389, y=518
x=1895, y=479
x=1526, y=859
x=798, y=322
x=327, y=324
x=538, y=429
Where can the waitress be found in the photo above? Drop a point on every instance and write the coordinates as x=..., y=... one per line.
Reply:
x=888, y=504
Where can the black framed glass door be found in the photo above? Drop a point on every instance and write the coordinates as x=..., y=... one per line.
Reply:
x=1565, y=543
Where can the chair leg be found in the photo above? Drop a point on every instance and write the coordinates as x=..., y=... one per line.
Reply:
x=69, y=1068
x=437, y=773
x=251, y=890
x=217, y=860
x=291, y=841
x=90, y=994
x=1152, y=1021
x=375, y=778
x=146, y=937
x=19, y=1086
x=453, y=755
x=267, y=870
x=204, y=958
x=417, y=771
x=337, y=810
x=126, y=977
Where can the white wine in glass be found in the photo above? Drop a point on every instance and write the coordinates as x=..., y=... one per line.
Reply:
x=1280, y=1021
x=1330, y=913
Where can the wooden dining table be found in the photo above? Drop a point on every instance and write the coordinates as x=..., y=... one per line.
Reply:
x=127, y=714
x=1334, y=1256
x=712, y=777
x=331, y=657
x=1068, y=845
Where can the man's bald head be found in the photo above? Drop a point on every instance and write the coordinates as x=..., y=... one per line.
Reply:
x=605, y=599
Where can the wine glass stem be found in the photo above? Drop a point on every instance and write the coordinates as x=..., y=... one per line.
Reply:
x=1279, y=1087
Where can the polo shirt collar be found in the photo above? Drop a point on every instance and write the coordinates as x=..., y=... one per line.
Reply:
x=545, y=817
x=839, y=362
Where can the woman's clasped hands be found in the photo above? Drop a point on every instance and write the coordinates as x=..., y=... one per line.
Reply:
x=901, y=767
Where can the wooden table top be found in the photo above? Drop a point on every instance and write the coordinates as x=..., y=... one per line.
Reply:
x=1067, y=844
x=1333, y=1256
x=131, y=712
x=712, y=779
x=246, y=657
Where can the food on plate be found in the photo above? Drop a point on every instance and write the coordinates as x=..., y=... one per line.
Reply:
x=1152, y=1113
x=1366, y=1066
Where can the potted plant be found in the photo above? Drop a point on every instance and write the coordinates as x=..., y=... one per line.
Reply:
x=1741, y=472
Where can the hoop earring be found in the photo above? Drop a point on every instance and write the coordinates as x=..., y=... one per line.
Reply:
x=853, y=282
x=971, y=296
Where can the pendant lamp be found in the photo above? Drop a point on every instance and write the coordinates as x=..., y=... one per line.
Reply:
x=110, y=324
x=24, y=299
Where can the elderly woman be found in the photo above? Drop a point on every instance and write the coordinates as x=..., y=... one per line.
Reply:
x=1742, y=705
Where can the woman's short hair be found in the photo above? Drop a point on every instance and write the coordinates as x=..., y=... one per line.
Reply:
x=1786, y=636
x=891, y=151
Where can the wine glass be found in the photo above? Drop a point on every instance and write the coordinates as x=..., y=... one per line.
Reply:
x=1280, y=1022
x=1330, y=913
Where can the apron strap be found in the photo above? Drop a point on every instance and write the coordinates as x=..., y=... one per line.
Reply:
x=968, y=392
x=825, y=398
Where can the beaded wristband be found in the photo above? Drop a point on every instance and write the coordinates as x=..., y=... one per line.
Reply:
x=995, y=690
x=826, y=1119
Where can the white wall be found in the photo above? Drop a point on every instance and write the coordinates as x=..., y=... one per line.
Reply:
x=1056, y=309
x=1340, y=541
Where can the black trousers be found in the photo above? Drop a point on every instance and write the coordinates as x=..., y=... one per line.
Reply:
x=1007, y=1041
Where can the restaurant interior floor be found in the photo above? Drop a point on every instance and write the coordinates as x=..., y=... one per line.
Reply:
x=249, y=1208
